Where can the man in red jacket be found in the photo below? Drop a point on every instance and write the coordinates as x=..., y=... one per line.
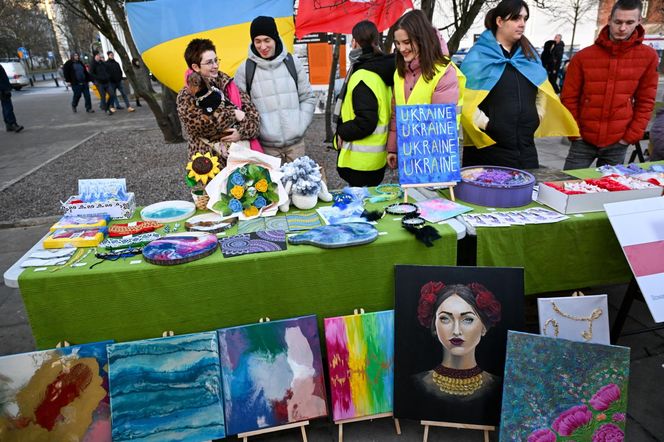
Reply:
x=610, y=89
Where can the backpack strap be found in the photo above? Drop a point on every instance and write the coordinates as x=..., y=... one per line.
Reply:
x=250, y=70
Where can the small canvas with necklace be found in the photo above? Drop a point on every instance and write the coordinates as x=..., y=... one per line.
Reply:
x=576, y=318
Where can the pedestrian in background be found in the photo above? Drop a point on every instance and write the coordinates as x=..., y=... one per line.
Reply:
x=116, y=74
x=136, y=65
x=76, y=75
x=610, y=89
x=552, y=58
x=102, y=80
x=7, y=106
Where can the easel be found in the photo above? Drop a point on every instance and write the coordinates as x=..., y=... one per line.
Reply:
x=245, y=436
x=449, y=185
x=633, y=292
x=485, y=428
x=341, y=422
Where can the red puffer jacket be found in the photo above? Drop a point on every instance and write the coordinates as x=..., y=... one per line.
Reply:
x=610, y=89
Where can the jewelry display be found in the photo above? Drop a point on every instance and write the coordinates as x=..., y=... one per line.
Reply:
x=586, y=334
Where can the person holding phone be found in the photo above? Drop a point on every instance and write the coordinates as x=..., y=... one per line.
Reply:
x=212, y=109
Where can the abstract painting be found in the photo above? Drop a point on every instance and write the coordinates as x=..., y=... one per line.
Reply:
x=56, y=395
x=439, y=209
x=253, y=242
x=166, y=389
x=360, y=358
x=450, y=333
x=272, y=374
x=557, y=389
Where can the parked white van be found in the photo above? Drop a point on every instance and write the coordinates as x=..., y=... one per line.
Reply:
x=16, y=74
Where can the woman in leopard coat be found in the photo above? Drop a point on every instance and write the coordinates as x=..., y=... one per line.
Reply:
x=207, y=113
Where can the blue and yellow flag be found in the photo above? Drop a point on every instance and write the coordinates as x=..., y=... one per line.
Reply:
x=163, y=28
x=483, y=67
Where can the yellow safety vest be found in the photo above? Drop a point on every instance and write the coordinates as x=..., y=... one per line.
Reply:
x=423, y=90
x=368, y=153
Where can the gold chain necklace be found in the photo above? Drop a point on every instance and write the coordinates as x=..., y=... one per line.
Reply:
x=586, y=334
x=456, y=385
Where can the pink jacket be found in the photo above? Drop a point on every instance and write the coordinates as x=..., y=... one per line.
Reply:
x=447, y=91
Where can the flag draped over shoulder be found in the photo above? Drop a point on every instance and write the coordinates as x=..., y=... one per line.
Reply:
x=162, y=29
x=341, y=15
x=483, y=67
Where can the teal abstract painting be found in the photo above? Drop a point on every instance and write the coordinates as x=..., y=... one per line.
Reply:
x=166, y=389
x=557, y=390
x=272, y=374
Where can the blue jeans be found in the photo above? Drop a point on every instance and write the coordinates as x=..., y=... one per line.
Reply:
x=582, y=154
x=120, y=88
x=7, y=109
x=85, y=91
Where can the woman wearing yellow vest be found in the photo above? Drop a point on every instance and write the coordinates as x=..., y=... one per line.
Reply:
x=425, y=74
x=365, y=110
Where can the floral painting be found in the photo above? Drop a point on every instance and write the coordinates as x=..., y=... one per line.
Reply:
x=560, y=390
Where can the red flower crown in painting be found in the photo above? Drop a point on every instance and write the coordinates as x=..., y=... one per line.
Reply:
x=488, y=306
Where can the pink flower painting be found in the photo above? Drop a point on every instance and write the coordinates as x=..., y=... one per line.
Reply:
x=543, y=435
x=606, y=395
x=571, y=419
x=608, y=433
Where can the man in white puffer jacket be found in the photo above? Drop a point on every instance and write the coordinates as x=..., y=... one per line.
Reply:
x=285, y=107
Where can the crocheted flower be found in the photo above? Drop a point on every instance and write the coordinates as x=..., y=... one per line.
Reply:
x=428, y=296
x=235, y=205
x=260, y=202
x=237, y=179
x=544, y=435
x=608, y=433
x=237, y=191
x=486, y=303
x=571, y=419
x=251, y=211
x=261, y=185
x=202, y=167
x=606, y=395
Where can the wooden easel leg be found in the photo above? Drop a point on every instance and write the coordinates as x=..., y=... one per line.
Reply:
x=451, y=193
x=245, y=439
x=397, y=426
x=341, y=432
x=486, y=435
x=304, y=433
x=426, y=434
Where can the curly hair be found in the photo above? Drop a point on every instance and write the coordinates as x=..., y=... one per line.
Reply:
x=434, y=293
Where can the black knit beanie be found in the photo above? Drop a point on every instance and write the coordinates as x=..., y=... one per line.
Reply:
x=263, y=25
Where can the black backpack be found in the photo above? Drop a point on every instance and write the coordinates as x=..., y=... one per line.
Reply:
x=250, y=70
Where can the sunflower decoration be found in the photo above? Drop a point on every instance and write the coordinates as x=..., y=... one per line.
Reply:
x=202, y=168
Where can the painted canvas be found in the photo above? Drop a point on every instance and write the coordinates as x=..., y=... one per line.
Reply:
x=272, y=374
x=557, y=389
x=577, y=318
x=166, y=389
x=450, y=333
x=360, y=361
x=56, y=395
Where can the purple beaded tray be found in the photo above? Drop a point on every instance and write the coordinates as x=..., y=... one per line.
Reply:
x=512, y=187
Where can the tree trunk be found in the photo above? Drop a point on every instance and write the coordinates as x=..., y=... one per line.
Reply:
x=329, y=133
x=427, y=7
x=465, y=23
x=169, y=105
x=571, y=45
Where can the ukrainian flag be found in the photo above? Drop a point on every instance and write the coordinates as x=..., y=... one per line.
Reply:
x=483, y=67
x=162, y=29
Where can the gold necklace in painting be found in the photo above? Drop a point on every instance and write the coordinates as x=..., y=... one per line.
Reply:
x=586, y=334
x=458, y=382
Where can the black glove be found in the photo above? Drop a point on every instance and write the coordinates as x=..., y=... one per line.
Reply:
x=6, y=95
x=208, y=100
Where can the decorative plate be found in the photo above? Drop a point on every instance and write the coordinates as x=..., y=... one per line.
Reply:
x=168, y=211
x=337, y=235
x=179, y=248
x=209, y=223
x=402, y=209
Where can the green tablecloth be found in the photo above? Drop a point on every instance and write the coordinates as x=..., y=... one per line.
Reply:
x=593, y=173
x=121, y=301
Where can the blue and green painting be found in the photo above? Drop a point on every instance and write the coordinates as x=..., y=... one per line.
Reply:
x=556, y=390
x=166, y=389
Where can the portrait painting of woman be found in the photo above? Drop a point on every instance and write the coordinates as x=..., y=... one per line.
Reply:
x=450, y=337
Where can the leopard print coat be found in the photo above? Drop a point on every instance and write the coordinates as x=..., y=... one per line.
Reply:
x=198, y=125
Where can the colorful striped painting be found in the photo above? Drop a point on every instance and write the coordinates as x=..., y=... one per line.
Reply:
x=166, y=389
x=56, y=395
x=360, y=358
x=272, y=374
